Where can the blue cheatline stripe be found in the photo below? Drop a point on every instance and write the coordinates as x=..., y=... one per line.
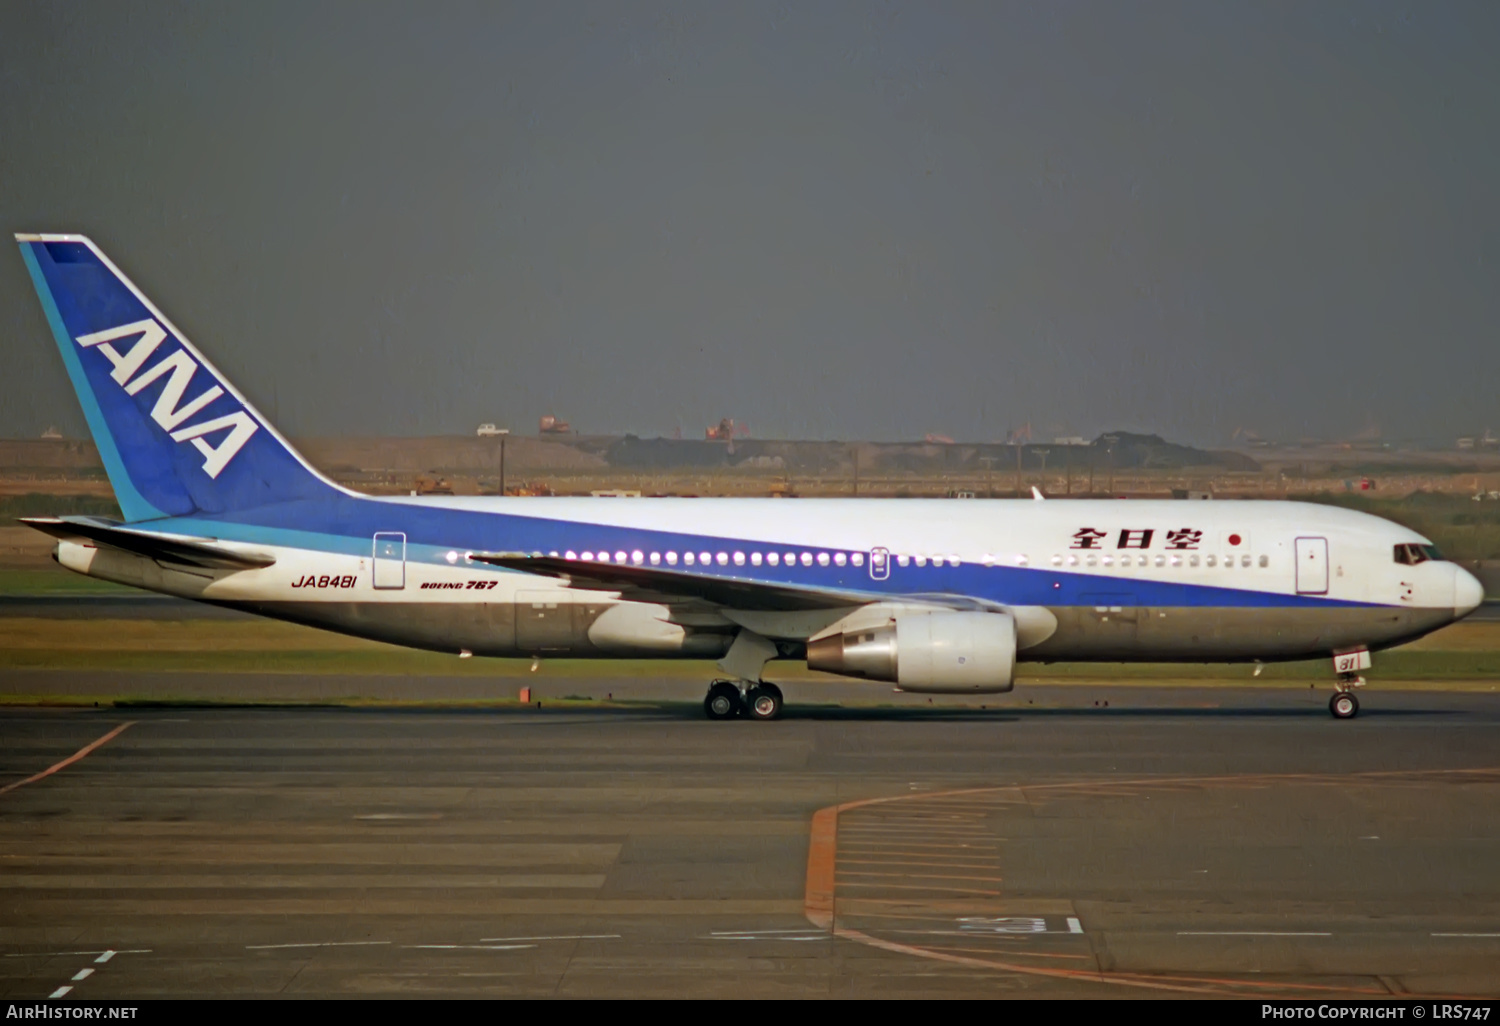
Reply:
x=132, y=504
x=347, y=526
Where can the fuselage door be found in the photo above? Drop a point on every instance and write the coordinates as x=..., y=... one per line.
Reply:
x=1312, y=566
x=880, y=564
x=390, y=560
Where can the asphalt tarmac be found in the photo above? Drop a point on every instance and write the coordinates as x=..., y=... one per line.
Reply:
x=1178, y=841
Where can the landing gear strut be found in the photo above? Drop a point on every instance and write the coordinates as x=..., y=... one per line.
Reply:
x=727, y=699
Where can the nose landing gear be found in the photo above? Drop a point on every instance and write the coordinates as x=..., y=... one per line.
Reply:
x=1347, y=665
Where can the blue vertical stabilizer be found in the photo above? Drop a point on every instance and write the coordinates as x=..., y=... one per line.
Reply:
x=176, y=438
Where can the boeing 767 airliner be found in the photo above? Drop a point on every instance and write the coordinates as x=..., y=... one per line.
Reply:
x=931, y=596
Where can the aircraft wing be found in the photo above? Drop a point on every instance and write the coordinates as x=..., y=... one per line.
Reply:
x=655, y=584
x=185, y=551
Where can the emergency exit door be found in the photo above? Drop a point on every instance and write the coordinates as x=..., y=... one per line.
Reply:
x=1312, y=566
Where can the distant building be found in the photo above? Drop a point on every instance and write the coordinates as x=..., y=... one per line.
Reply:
x=490, y=431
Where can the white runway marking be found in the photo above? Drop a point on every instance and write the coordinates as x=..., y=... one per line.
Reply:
x=1074, y=926
x=751, y=933
x=564, y=936
x=316, y=944
x=107, y=955
x=59, y=992
x=1466, y=935
x=471, y=947
x=82, y=974
x=401, y=815
x=1251, y=933
x=804, y=934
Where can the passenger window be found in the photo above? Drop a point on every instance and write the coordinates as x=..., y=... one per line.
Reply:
x=774, y=558
x=637, y=557
x=739, y=559
x=1023, y=560
x=903, y=560
x=1109, y=560
x=755, y=559
x=671, y=559
x=807, y=559
x=705, y=558
x=1265, y=561
x=620, y=557
x=791, y=559
x=1072, y=560
x=688, y=558
x=1193, y=560
x=921, y=561
x=822, y=559
x=858, y=559
x=1176, y=561
x=1160, y=560
x=840, y=559
x=1245, y=560
x=570, y=554
x=723, y=559
x=1211, y=560
x=1092, y=559
x=656, y=559
x=1057, y=561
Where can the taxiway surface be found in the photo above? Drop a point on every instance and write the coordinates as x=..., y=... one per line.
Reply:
x=1179, y=841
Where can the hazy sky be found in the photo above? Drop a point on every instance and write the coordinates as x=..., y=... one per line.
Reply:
x=830, y=220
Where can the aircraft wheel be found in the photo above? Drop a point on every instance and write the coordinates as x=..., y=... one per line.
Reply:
x=1343, y=705
x=723, y=701
x=763, y=702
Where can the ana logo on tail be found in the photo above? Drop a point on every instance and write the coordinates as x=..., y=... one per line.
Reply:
x=170, y=410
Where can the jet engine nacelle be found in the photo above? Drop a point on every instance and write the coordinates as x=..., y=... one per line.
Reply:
x=942, y=653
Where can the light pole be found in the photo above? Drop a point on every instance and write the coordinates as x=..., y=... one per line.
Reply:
x=1043, y=454
x=1109, y=450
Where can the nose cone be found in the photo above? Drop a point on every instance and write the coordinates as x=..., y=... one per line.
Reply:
x=1467, y=592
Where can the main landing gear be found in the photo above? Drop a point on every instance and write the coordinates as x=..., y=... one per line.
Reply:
x=727, y=699
x=1343, y=705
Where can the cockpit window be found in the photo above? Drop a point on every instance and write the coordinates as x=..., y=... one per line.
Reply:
x=1410, y=554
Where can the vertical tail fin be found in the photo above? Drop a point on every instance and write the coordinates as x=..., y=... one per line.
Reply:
x=175, y=436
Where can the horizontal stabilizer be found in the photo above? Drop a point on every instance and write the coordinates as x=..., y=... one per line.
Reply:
x=187, y=552
x=654, y=584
